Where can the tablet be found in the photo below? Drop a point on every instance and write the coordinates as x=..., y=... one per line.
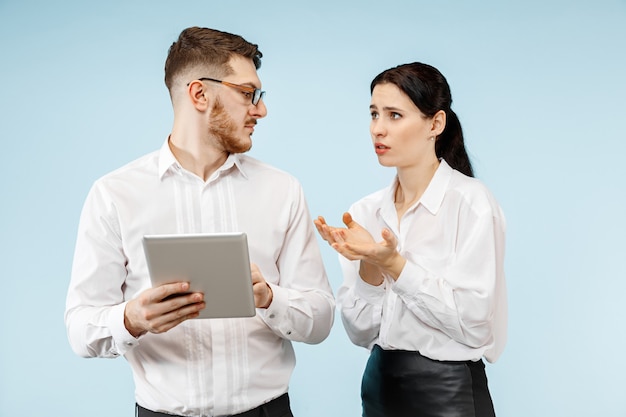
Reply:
x=216, y=264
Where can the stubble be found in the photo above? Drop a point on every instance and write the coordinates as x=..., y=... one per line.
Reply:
x=223, y=129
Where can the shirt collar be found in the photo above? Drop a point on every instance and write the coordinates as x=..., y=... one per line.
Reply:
x=169, y=164
x=436, y=190
x=434, y=193
x=167, y=160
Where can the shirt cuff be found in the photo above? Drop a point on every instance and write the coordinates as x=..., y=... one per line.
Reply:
x=122, y=339
x=372, y=294
x=275, y=315
x=410, y=279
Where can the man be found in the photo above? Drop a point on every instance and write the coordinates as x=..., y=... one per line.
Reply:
x=198, y=182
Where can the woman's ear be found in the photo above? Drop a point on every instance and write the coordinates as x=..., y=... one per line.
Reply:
x=198, y=94
x=438, y=123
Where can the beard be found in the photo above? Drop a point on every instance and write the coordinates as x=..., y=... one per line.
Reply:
x=223, y=129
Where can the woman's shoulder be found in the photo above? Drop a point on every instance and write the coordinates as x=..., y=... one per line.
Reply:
x=473, y=191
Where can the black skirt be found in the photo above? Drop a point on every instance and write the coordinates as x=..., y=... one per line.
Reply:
x=407, y=384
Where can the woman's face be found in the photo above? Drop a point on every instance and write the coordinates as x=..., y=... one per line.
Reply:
x=402, y=135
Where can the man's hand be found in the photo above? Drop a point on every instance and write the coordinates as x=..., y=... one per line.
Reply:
x=263, y=294
x=159, y=309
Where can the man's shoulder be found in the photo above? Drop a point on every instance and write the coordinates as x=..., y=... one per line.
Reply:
x=255, y=167
x=140, y=167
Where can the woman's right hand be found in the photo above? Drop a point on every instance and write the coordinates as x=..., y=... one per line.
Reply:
x=324, y=229
x=354, y=242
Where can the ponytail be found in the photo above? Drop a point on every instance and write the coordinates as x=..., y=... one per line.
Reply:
x=450, y=146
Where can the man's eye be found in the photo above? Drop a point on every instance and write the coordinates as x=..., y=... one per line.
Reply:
x=247, y=94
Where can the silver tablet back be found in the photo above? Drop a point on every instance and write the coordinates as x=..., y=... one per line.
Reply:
x=216, y=264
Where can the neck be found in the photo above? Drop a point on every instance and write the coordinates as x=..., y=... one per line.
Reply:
x=412, y=182
x=196, y=155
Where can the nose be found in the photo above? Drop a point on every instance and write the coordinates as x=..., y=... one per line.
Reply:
x=259, y=111
x=377, y=129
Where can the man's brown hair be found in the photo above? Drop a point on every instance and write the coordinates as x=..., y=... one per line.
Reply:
x=203, y=47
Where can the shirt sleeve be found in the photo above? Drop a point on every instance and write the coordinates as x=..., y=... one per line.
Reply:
x=303, y=305
x=94, y=315
x=458, y=297
x=360, y=304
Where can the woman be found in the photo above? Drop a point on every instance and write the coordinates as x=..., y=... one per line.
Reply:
x=422, y=259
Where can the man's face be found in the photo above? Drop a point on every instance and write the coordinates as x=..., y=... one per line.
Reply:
x=233, y=116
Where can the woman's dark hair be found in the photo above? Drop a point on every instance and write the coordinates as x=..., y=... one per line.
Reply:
x=430, y=92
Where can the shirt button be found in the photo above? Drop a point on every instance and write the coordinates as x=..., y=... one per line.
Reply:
x=289, y=332
x=272, y=316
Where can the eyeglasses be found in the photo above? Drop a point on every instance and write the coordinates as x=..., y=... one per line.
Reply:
x=254, y=94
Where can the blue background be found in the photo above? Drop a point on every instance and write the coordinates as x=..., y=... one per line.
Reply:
x=539, y=88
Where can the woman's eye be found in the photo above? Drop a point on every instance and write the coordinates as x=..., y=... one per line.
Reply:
x=374, y=115
x=394, y=115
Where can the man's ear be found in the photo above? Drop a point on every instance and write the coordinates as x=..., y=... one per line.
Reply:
x=199, y=95
x=438, y=123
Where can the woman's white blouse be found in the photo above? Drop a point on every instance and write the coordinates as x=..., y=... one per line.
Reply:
x=449, y=302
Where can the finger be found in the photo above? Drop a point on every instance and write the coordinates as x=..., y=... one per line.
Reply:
x=170, y=325
x=162, y=316
x=321, y=229
x=328, y=233
x=320, y=224
x=345, y=250
x=262, y=294
x=389, y=238
x=166, y=290
x=347, y=219
x=179, y=302
x=325, y=232
x=337, y=236
x=174, y=318
x=256, y=275
x=164, y=311
x=260, y=289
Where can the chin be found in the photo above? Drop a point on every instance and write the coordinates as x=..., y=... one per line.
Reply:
x=384, y=163
x=247, y=145
x=242, y=147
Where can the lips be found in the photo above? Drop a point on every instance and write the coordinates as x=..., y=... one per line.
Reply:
x=250, y=124
x=381, y=148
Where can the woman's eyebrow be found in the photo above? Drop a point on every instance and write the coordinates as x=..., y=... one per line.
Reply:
x=385, y=108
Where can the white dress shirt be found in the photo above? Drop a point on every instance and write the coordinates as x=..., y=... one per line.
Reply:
x=449, y=302
x=202, y=367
